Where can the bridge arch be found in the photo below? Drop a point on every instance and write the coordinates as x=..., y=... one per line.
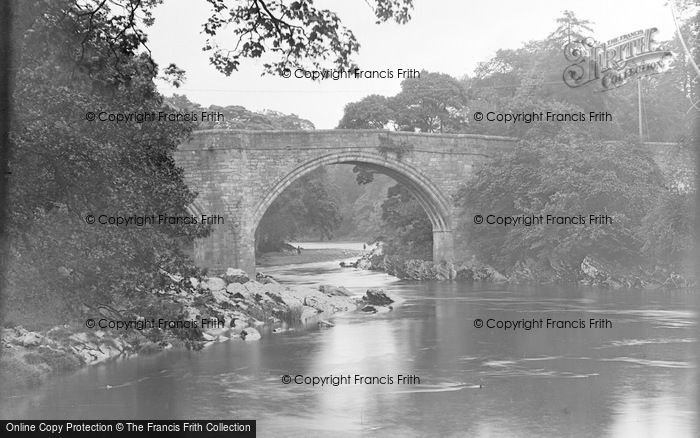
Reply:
x=434, y=202
x=238, y=174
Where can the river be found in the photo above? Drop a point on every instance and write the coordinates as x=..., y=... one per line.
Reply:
x=634, y=379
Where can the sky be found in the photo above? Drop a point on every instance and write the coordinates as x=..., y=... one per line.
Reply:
x=443, y=36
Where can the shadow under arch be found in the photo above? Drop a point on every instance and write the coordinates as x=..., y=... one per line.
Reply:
x=428, y=195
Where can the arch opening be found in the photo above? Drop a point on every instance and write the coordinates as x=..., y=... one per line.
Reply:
x=428, y=196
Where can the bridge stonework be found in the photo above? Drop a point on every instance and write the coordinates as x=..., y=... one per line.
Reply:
x=238, y=174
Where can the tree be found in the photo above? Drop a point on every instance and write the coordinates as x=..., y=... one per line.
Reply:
x=296, y=33
x=669, y=228
x=433, y=102
x=372, y=112
x=73, y=61
x=562, y=175
x=569, y=28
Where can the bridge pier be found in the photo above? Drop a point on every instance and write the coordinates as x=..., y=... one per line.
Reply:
x=443, y=246
x=245, y=254
x=226, y=247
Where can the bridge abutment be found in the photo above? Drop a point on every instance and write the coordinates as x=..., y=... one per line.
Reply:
x=443, y=246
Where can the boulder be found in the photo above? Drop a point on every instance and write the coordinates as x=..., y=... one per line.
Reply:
x=268, y=280
x=236, y=289
x=594, y=269
x=329, y=305
x=465, y=273
x=221, y=295
x=214, y=283
x=173, y=277
x=445, y=271
x=80, y=337
x=250, y=334
x=30, y=339
x=208, y=336
x=523, y=270
x=109, y=349
x=364, y=264
x=376, y=297
x=238, y=325
x=613, y=284
x=487, y=273
x=334, y=291
x=234, y=275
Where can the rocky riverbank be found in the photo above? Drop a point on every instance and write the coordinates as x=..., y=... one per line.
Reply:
x=592, y=271
x=209, y=309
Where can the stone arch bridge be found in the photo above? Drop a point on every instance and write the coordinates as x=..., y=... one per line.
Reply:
x=238, y=174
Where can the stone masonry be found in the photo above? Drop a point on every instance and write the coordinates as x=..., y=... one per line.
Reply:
x=237, y=174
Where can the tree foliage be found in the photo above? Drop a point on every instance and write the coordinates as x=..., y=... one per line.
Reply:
x=562, y=177
x=406, y=229
x=308, y=205
x=72, y=60
x=568, y=169
x=372, y=112
x=432, y=102
x=295, y=34
x=238, y=117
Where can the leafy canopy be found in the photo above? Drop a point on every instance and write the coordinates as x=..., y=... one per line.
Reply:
x=295, y=34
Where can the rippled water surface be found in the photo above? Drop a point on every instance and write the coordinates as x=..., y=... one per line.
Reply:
x=634, y=379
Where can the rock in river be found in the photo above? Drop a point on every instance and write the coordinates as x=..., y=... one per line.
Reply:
x=250, y=334
x=376, y=297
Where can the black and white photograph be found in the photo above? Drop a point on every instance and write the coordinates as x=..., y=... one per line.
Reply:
x=358, y=218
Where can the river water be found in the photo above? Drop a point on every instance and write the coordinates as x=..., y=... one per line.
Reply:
x=634, y=379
